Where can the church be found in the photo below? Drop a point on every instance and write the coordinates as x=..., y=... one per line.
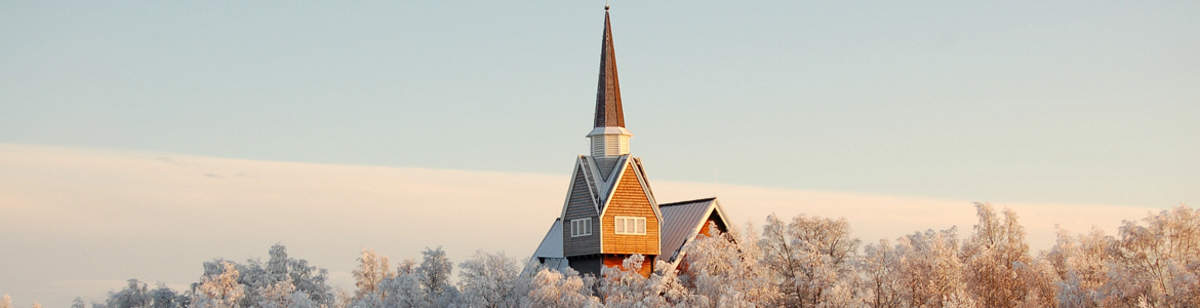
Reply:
x=610, y=212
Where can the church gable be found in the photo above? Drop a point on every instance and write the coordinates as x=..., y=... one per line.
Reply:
x=631, y=205
x=580, y=232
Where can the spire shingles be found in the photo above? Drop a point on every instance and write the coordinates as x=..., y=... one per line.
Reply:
x=608, y=93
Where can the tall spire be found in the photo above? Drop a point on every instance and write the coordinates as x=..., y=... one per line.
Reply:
x=608, y=92
x=609, y=139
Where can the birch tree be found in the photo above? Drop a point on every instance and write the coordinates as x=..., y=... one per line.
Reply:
x=1158, y=264
x=812, y=258
x=882, y=281
x=134, y=295
x=221, y=290
x=371, y=271
x=283, y=294
x=552, y=289
x=930, y=268
x=434, y=273
x=724, y=270
x=1080, y=263
x=625, y=286
x=404, y=290
x=489, y=280
x=991, y=255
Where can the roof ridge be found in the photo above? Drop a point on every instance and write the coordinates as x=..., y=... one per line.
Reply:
x=686, y=201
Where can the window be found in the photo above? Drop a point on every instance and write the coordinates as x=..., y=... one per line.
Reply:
x=630, y=225
x=581, y=227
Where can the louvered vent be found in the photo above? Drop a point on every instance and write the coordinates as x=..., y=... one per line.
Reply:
x=610, y=145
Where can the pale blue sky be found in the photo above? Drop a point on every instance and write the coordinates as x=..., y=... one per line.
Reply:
x=1019, y=101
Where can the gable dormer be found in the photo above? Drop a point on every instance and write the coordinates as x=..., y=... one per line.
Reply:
x=629, y=219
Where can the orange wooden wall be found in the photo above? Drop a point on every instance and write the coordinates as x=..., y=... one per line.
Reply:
x=629, y=200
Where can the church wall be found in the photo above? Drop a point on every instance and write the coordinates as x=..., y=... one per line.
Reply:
x=587, y=264
x=630, y=200
x=580, y=205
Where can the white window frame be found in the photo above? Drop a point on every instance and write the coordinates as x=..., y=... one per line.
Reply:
x=621, y=224
x=581, y=227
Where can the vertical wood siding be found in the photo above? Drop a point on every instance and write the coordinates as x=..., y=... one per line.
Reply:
x=630, y=200
x=580, y=206
x=713, y=219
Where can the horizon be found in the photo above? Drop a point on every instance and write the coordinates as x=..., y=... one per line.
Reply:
x=204, y=208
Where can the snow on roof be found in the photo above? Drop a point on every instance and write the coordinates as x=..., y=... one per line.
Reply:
x=552, y=244
x=682, y=221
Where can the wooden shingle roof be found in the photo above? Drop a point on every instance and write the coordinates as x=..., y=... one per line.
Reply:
x=608, y=92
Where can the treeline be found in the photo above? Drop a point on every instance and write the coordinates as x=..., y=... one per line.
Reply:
x=807, y=261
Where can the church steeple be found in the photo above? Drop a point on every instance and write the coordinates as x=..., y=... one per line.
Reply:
x=609, y=138
x=608, y=92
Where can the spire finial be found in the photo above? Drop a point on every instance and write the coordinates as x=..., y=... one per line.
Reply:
x=605, y=5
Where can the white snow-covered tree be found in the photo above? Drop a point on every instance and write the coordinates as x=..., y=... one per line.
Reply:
x=134, y=295
x=165, y=297
x=882, y=284
x=724, y=271
x=489, y=280
x=257, y=277
x=625, y=287
x=929, y=267
x=813, y=261
x=1157, y=264
x=401, y=290
x=283, y=294
x=551, y=289
x=1042, y=284
x=673, y=291
x=220, y=290
x=404, y=291
x=434, y=273
x=1082, y=265
x=342, y=298
x=371, y=271
x=991, y=256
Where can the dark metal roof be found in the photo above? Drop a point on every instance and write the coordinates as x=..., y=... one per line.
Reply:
x=608, y=93
x=552, y=244
x=687, y=202
x=682, y=221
